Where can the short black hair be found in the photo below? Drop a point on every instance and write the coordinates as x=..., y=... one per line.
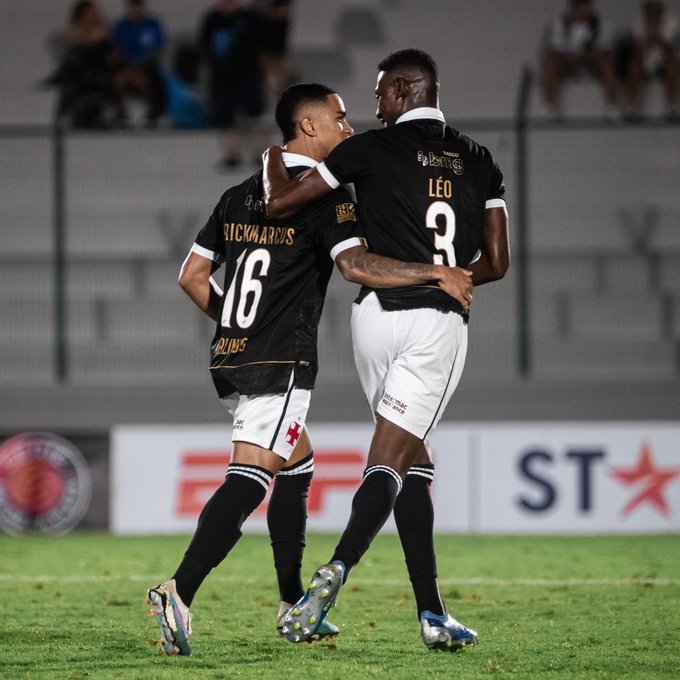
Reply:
x=410, y=59
x=292, y=99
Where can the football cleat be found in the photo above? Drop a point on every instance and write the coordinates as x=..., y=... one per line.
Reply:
x=304, y=620
x=174, y=618
x=325, y=631
x=445, y=633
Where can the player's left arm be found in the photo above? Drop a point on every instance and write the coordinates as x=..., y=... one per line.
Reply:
x=357, y=265
x=195, y=279
x=494, y=260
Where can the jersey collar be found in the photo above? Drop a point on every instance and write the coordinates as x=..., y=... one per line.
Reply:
x=421, y=113
x=292, y=160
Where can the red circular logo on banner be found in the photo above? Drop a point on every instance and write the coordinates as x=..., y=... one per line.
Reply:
x=45, y=484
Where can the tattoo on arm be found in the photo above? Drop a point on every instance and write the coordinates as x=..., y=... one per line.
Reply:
x=384, y=271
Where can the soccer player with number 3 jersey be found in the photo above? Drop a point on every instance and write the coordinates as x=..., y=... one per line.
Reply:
x=427, y=193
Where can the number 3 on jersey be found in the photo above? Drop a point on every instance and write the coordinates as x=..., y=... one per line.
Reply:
x=442, y=242
x=249, y=292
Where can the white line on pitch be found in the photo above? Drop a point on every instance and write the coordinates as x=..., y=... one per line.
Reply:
x=480, y=581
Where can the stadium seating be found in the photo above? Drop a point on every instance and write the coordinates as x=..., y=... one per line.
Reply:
x=603, y=210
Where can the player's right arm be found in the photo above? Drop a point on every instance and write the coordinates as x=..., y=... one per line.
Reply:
x=494, y=260
x=283, y=195
x=195, y=279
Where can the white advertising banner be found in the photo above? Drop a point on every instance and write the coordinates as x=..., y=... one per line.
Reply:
x=578, y=478
x=492, y=478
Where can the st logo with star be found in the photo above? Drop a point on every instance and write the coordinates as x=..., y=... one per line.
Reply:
x=648, y=482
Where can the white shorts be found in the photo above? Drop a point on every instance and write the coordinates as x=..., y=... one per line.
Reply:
x=409, y=362
x=272, y=421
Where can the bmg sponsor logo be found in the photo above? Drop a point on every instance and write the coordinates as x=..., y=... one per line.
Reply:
x=45, y=484
x=450, y=161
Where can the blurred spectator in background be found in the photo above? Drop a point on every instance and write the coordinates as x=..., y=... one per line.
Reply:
x=85, y=76
x=139, y=38
x=273, y=24
x=578, y=43
x=88, y=29
x=655, y=55
x=184, y=105
x=228, y=40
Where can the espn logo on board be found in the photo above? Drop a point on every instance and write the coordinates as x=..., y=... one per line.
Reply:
x=202, y=472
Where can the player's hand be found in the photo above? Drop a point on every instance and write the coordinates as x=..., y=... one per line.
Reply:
x=457, y=282
x=273, y=151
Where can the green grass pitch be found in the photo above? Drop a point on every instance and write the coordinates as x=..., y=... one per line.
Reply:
x=545, y=607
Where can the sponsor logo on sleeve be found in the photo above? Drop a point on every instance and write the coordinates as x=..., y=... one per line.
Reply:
x=345, y=212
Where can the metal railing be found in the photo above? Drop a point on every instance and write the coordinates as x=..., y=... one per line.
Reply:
x=141, y=196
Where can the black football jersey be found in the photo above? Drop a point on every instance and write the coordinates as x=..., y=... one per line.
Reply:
x=275, y=277
x=422, y=189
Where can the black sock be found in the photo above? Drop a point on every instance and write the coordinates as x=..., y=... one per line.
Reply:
x=219, y=525
x=188, y=578
x=371, y=506
x=414, y=516
x=287, y=519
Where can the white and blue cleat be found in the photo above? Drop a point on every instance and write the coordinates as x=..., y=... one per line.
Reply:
x=325, y=631
x=304, y=621
x=445, y=633
x=173, y=616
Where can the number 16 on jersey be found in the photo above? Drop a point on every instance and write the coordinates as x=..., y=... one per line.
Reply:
x=245, y=291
